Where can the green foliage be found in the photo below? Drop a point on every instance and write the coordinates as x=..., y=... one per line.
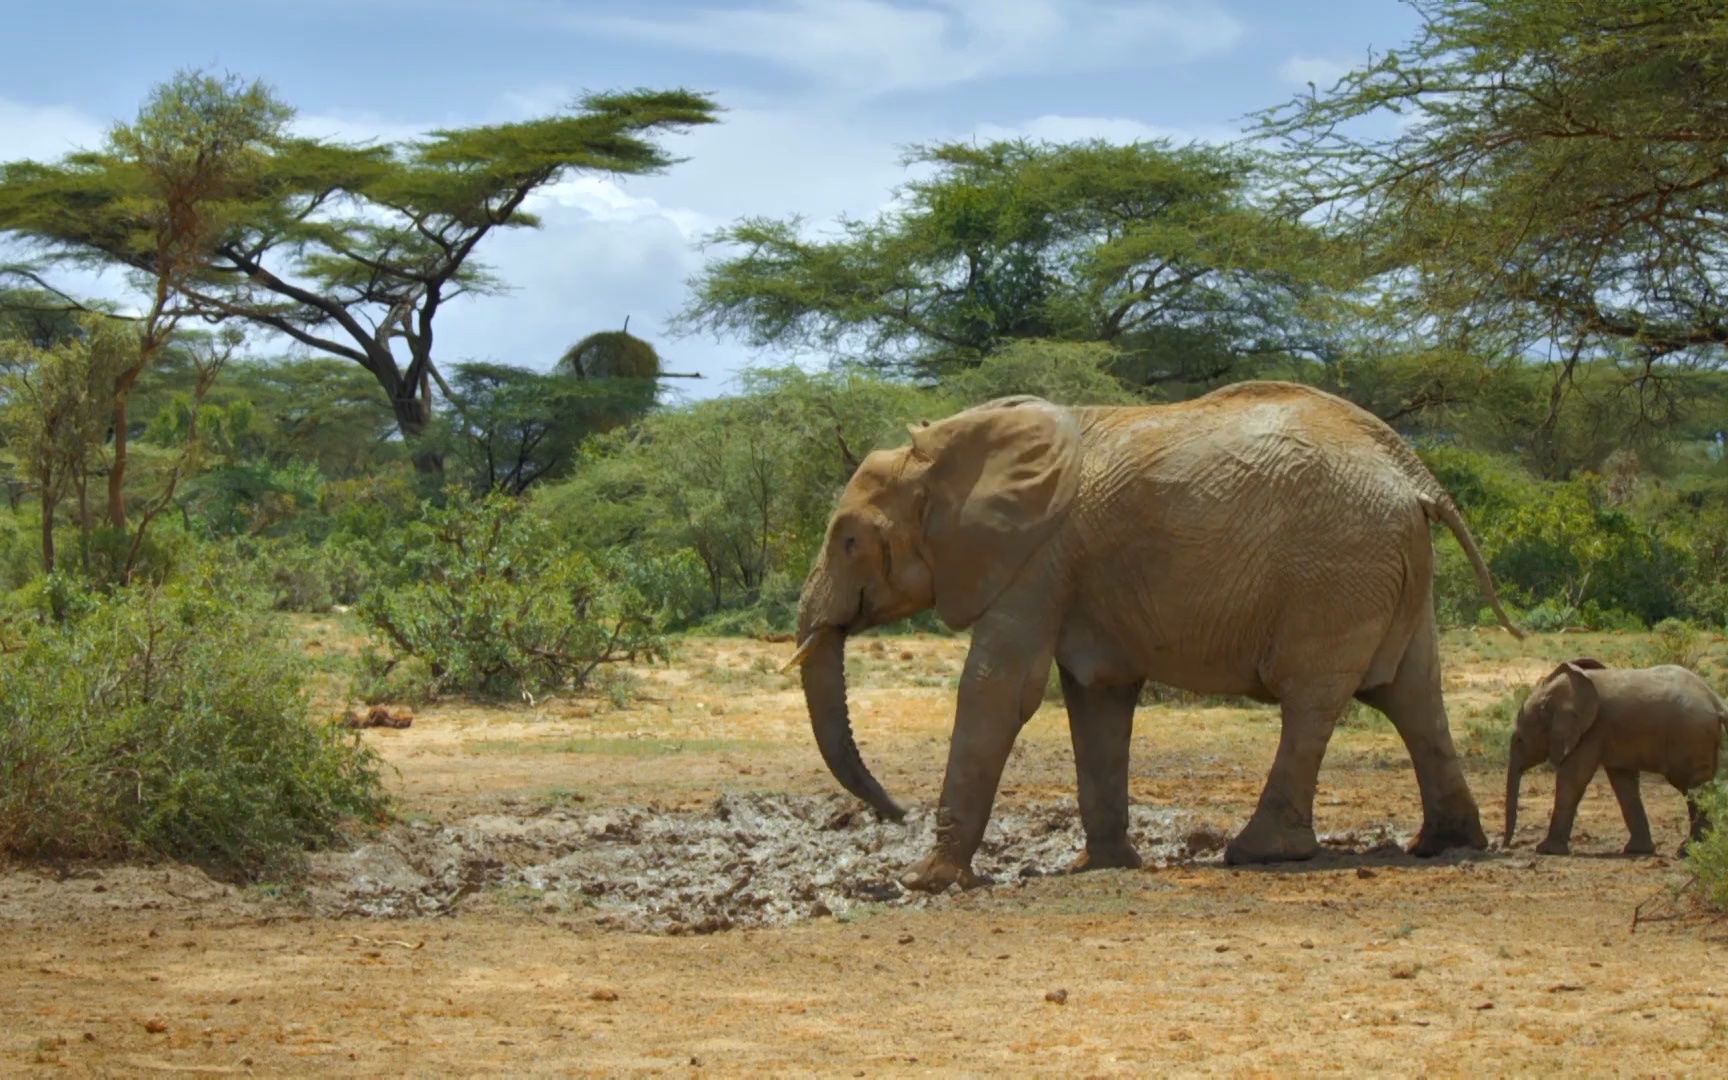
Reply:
x=169, y=721
x=513, y=428
x=1677, y=642
x=1707, y=858
x=351, y=251
x=1537, y=179
x=492, y=602
x=56, y=403
x=1162, y=252
x=1560, y=550
x=745, y=483
x=1068, y=373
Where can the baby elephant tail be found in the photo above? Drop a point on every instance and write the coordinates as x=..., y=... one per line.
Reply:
x=1440, y=508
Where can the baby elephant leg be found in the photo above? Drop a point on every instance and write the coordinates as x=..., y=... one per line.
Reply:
x=1625, y=783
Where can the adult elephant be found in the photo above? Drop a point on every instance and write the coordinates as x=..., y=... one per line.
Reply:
x=1267, y=539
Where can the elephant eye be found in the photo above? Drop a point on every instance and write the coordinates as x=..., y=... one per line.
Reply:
x=851, y=545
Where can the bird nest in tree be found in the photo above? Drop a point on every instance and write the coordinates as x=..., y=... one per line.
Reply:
x=611, y=354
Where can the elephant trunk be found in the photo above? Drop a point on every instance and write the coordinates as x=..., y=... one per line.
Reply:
x=1515, y=769
x=822, y=655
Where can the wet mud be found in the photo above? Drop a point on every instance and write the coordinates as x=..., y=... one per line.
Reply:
x=744, y=861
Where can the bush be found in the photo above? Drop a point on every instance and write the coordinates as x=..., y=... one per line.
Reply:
x=168, y=721
x=297, y=576
x=1677, y=642
x=1707, y=858
x=492, y=603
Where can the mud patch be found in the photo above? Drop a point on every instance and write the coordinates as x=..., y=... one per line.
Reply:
x=746, y=860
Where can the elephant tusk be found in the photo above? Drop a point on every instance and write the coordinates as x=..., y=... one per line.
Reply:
x=800, y=657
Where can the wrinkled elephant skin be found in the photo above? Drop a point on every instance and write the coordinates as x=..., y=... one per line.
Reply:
x=1267, y=539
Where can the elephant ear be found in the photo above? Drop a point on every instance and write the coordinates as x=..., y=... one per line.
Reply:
x=1000, y=476
x=1572, y=718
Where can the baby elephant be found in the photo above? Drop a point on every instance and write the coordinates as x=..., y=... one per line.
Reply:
x=1663, y=720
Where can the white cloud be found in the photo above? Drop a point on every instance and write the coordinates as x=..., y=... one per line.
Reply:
x=1302, y=70
x=45, y=132
x=879, y=46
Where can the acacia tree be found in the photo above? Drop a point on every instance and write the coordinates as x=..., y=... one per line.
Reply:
x=1538, y=179
x=157, y=200
x=56, y=400
x=349, y=250
x=1165, y=253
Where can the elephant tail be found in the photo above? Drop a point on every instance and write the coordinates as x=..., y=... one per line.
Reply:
x=1439, y=507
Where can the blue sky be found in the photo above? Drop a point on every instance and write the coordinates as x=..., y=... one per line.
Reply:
x=820, y=97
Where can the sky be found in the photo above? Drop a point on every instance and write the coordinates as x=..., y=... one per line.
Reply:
x=820, y=99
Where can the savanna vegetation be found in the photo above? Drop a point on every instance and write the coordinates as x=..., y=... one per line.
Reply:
x=1506, y=238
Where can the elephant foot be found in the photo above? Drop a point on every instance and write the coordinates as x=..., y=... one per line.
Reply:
x=1264, y=842
x=1443, y=836
x=1112, y=856
x=1551, y=846
x=1645, y=846
x=936, y=871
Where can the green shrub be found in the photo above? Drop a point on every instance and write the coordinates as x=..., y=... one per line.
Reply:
x=20, y=548
x=1676, y=641
x=492, y=602
x=380, y=678
x=297, y=576
x=1707, y=858
x=169, y=721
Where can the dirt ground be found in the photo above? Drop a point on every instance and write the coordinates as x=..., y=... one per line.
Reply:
x=670, y=882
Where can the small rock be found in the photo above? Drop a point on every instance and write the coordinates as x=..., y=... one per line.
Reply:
x=1306, y=944
x=906, y=939
x=1057, y=997
x=1483, y=1006
x=155, y=1026
x=1364, y=872
x=1404, y=971
x=1220, y=948
x=603, y=995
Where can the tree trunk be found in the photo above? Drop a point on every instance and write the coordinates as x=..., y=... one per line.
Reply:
x=83, y=519
x=47, y=532
x=117, y=474
x=413, y=417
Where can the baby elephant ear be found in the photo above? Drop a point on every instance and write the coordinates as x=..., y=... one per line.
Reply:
x=1000, y=478
x=1574, y=713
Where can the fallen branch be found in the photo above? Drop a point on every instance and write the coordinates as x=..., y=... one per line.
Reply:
x=411, y=946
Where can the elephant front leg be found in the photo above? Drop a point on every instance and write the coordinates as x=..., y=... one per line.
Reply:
x=1101, y=723
x=994, y=701
x=1571, y=780
x=1625, y=784
x=1282, y=828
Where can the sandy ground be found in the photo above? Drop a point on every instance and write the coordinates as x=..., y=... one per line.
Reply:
x=584, y=844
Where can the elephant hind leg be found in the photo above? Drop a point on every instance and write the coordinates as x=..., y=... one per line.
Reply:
x=1101, y=723
x=1417, y=709
x=1625, y=784
x=1282, y=827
